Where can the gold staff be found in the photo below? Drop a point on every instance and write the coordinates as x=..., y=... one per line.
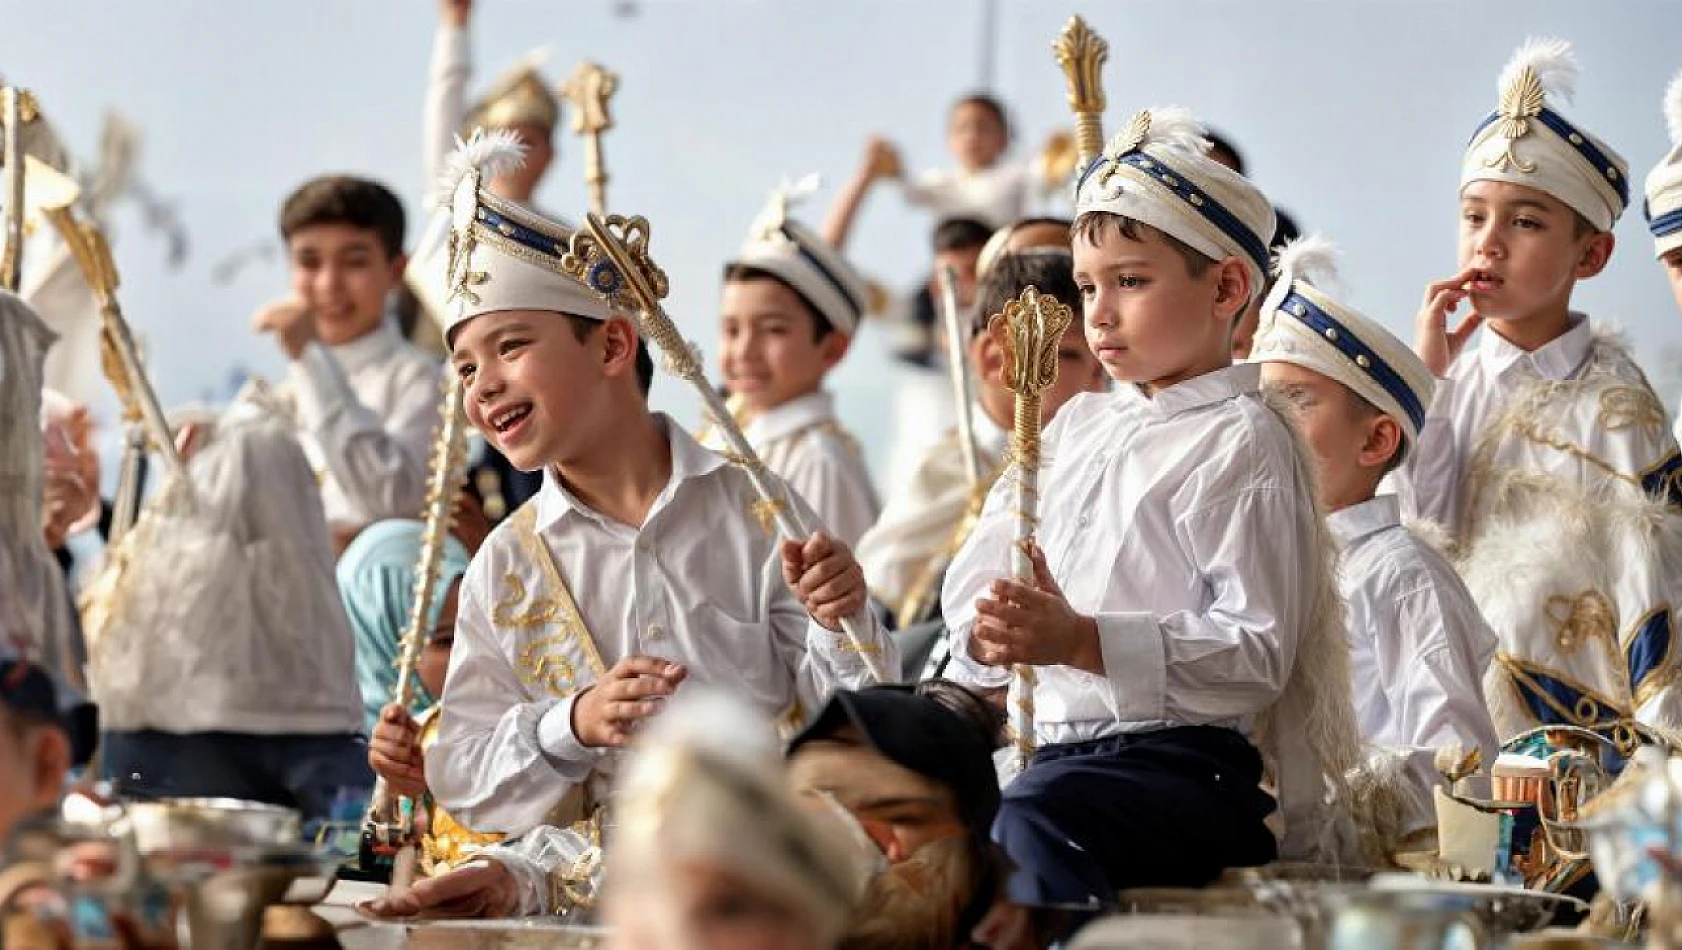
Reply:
x=587, y=90
x=1081, y=53
x=1028, y=332
x=610, y=256
x=19, y=107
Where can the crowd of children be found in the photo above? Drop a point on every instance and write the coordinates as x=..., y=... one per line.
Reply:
x=1275, y=547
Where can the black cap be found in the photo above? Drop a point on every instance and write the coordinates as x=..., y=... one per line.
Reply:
x=923, y=735
x=31, y=691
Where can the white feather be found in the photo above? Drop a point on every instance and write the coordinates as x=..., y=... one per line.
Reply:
x=492, y=153
x=1553, y=62
x=1176, y=127
x=1673, y=109
x=787, y=195
x=1311, y=258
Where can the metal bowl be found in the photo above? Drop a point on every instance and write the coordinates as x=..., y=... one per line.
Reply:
x=191, y=824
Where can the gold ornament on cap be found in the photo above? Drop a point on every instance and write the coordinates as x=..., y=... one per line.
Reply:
x=1521, y=100
x=521, y=97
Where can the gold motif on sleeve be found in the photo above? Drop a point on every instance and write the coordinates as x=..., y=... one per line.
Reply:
x=1577, y=618
x=1629, y=407
x=541, y=664
x=510, y=612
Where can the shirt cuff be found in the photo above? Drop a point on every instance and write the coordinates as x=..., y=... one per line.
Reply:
x=1135, y=664
x=531, y=879
x=969, y=671
x=320, y=384
x=556, y=738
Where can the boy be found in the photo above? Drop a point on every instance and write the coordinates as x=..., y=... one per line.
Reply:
x=1177, y=512
x=366, y=400
x=905, y=551
x=1545, y=453
x=1418, y=646
x=790, y=307
x=45, y=731
x=638, y=567
x=1664, y=199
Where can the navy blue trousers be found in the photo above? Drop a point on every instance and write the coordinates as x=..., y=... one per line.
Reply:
x=306, y=772
x=1169, y=808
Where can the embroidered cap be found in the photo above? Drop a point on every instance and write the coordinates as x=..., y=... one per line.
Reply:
x=780, y=245
x=1664, y=184
x=1303, y=324
x=1527, y=142
x=521, y=96
x=503, y=256
x=1157, y=172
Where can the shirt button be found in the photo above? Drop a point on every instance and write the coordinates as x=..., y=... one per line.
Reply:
x=655, y=631
x=1082, y=521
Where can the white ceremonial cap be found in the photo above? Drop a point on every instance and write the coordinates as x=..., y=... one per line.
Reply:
x=785, y=248
x=1527, y=142
x=1664, y=184
x=503, y=256
x=1303, y=324
x=1157, y=172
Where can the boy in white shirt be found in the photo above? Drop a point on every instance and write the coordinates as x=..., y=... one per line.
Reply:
x=1184, y=624
x=1664, y=198
x=1418, y=646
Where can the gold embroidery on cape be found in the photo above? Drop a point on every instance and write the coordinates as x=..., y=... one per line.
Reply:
x=572, y=622
x=1664, y=673
x=1522, y=674
x=1671, y=486
x=507, y=612
x=551, y=671
x=1628, y=407
x=1577, y=618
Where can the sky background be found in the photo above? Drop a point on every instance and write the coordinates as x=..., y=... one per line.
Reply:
x=1352, y=115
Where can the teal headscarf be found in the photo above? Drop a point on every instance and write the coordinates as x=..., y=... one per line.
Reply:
x=377, y=583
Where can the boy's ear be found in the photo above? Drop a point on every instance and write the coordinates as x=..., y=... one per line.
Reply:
x=987, y=359
x=1232, y=289
x=1384, y=440
x=833, y=347
x=1597, y=251
x=51, y=763
x=399, y=264
x=619, y=346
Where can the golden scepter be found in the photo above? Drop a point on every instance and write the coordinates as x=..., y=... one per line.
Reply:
x=610, y=256
x=19, y=107
x=1081, y=53
x=1028, y=331
x=388, y=827
x=587, y=90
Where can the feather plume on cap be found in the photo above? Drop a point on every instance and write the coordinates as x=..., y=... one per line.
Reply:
x=1312, y=258
x=1543, y=66
x=786, y=196
x=489, y=153
x=1673, y=109
x=1168, y=126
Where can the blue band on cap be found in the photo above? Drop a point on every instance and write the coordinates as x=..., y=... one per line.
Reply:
x=1665, y=224
x=823, y=271
x=520, y=234
x=1333, y=331
x=1213, y=211
x=1572, y=136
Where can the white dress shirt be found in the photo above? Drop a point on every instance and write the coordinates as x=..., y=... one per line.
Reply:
x=994, y=196
x=1418, y=647
x=447, y=76
x=918, y=522
x=1181, y=523
x=366, y=411
x=699, y=583
x=804, y=443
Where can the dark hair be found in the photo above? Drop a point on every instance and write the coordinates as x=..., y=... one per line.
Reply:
x=361, y=203
x=1220, y=143
x=1051, y=273
x=1284, y=231
x=960, y=234
x=1091, y=225
x=986, y=718
x=743, y=273
x=991, y=103
x=582, y=327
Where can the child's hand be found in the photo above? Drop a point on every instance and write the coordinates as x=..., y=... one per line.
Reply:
x=394, y=752
x=1034, y=624
x=881, y=159
x=1436, y=344
x=826, y=577
x=457, y=12
x=608, y=713
x=291, y=323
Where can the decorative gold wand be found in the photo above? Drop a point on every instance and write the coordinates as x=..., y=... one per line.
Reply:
x=1082, y=53
x=388, y=825
x=611, y=257
x=19, y=107
x=1028, y=332
x=587, y=90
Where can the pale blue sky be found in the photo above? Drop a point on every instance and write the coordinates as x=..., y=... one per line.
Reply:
x=1351, y=113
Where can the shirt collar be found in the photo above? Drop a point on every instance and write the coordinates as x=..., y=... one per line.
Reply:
x=782, y=421
x=1228, y=382
x=1369, y=517
x=368, y=349
x=1557, y=359
x=689, y=460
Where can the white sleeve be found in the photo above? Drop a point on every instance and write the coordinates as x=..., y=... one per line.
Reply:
x=1428, y=481
x=983, y=559
x=555, y=869
x=834, y=481
x=379, y=464
x=1437, y=696
x=512, y=757
x=446, y=98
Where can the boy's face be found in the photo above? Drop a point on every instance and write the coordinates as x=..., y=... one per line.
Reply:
x=1147, y=319
x=700, y=906
x=520, y=183
x=1525, y=246
x=435, y=658
x=975, y=136
x=962, y=260
x=1673, y=272
x=1349, y=453
x=34, y=761
x=902, y=810
x=767, y=345
x=1078, y=371
x=532, y=388
x=343, y=275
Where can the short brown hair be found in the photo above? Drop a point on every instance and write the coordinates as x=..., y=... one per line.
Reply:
x=1050, y=272
x=582, y=327
x=345, y=199
x=746, y=273
x=1091, y=225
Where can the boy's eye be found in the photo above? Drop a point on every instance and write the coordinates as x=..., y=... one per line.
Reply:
x=1130, y=280
x=1529, y=223
x=1085, y=289
x=465, y=371
x=509, y=346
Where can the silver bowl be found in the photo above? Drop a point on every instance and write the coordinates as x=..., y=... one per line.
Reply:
x=193, y=824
